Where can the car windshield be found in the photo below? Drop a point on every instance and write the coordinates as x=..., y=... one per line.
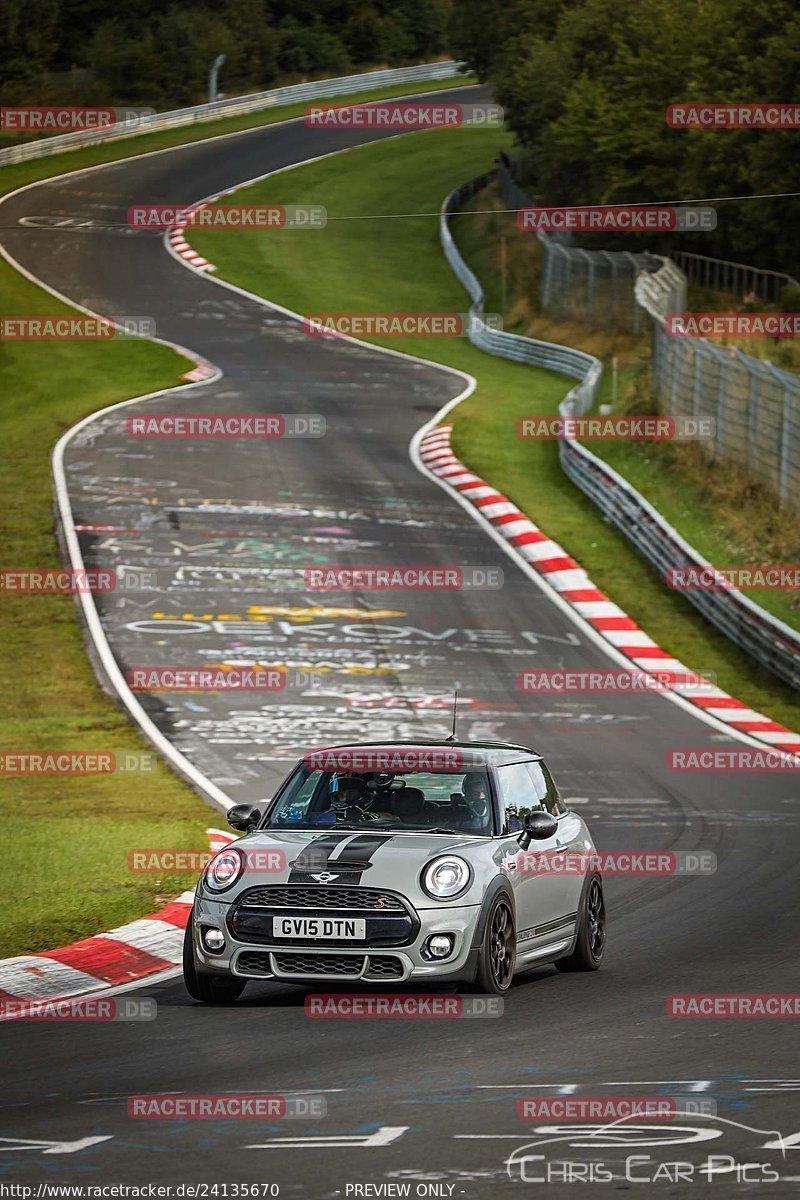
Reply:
x=458, y=802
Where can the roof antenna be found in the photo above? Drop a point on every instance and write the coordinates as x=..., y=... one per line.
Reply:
x=452, y=736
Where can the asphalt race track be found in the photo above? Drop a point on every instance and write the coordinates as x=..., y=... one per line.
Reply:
x=226, y=525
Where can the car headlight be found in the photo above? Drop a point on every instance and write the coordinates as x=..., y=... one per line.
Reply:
x=223, y=870
x=446, y=877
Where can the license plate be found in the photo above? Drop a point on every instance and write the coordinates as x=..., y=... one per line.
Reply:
x=344, y=929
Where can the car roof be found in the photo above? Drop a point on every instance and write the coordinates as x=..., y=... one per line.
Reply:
x=487, y=752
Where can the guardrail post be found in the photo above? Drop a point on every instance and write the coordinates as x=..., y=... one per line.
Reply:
x=752, y=418
x=549, y=249
x=588, y=259
x=722, y=396
x=213, y=77
x=698, y=375
x=785, y=439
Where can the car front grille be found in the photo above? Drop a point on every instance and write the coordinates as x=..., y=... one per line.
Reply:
x=319, y=964
x=383, y=966
x=263, y=963
x=254, y=964
x=354, y=899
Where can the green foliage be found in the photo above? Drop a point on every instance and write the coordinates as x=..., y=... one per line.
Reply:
x=585, y=85
x=789, y=301
x=143, y=53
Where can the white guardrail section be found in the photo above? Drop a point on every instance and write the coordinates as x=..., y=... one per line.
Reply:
x=769, y=641
x=234, y=106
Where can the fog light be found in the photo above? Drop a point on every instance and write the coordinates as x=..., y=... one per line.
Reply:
x=213, y=940
x=439, y=945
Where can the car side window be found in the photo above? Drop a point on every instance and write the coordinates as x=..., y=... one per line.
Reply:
x=547, y=789
x=517, y=796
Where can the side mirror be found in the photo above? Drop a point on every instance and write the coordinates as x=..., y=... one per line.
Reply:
x=244, y=817
x=539, y=825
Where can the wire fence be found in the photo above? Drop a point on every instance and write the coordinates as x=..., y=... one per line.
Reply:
x=732, y=278
x=766, y=639
x=584, y=285
x=755, y=406
x=234, y=106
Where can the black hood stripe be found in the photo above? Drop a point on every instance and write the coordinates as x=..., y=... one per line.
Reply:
x=319, y=857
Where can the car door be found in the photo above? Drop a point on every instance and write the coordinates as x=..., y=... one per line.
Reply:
x=539, y=896
x=572, y=837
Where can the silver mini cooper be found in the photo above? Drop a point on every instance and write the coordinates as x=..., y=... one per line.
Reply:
x=430, y=863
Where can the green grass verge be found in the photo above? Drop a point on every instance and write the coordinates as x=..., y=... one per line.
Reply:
x=400, y=267
x=67, y=839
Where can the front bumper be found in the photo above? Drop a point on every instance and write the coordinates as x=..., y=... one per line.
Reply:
x=310, y=962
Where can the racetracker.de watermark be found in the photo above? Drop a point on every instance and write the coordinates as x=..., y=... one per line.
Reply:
x=766, y=578
x=59, y=328
x=217, y=679
x=121, y=1008
x=67, y=119
x=769, y=114
x=48, y=582
x=403, y=115
x=733, y=325
x=723, y=1005
x=151, y=860
x=618, y=218
x=561, y=681
x=744, y=759
x=437, y=759
x=655, y=428
x=399, y=1006
x=611, y=1109
x=614, y=862
x=402, y=579
x=226, y=1106
x=398, y=324
x=227, y=216
x=226, y=425
x=77, y=762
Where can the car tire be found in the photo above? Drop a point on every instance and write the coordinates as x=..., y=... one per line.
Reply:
x=497, y=957
x=209, y=989
x=591, y=938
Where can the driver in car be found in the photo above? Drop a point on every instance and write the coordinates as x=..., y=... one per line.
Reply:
x=474, y=812
x=348, y=795
x=357, y=800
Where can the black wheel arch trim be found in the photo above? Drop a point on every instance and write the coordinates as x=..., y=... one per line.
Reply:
x=581, y=904
x=496, y=887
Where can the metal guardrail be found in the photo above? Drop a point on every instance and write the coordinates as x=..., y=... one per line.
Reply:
x=234, y=106
x=766, y=639
x=564, y=359
x=733, y=278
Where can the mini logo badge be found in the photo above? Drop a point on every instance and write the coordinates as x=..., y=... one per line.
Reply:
x=324, y=877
